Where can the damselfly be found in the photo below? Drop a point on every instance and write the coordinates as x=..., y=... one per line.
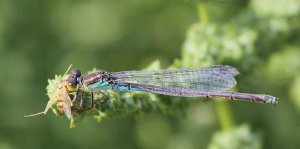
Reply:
x=203, y=82
x=214, y=81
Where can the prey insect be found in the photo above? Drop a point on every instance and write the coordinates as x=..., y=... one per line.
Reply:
x=65, y=96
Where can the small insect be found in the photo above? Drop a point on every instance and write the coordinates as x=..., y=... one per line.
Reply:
x=62, y=100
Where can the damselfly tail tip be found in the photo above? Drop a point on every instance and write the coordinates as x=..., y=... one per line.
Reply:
x=272, y=100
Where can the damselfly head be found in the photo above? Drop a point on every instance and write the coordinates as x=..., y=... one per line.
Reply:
x=75, y=73
x=73, y=82
x=74, y=78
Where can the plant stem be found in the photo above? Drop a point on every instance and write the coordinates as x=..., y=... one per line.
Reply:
x=223, y=110
x=202, y=13
x=224, y=115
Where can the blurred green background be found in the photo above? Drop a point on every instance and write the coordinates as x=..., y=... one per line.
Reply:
x=39, y=39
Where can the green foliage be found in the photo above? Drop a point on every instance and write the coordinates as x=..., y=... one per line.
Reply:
x=236, y=138
x=295, y=88
x=214, y=44
x=269, y=8
x=259, y=37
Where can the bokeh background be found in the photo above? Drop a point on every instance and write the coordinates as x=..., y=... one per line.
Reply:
x=39, y=39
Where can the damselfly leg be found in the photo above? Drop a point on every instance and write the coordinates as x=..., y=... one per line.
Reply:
x=106, y=98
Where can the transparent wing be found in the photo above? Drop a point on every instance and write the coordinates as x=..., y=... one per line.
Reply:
x=67, y=102
x=215, y=78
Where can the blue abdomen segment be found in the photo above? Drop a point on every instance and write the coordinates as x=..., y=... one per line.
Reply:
x=98, y=85
x=104, y=85
x=126, y=88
